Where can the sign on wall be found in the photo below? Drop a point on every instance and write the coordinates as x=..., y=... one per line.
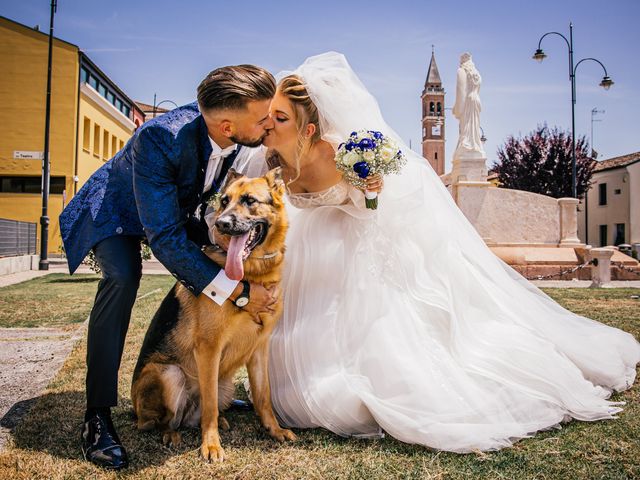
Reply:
x=27, y=155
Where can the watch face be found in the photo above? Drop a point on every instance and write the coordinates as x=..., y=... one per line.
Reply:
x=242, y=301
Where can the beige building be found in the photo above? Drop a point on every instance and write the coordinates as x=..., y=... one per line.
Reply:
x=610, y=212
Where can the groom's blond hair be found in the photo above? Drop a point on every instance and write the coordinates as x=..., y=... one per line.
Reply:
x=233, y=86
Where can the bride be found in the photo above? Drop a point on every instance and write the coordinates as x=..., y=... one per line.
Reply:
x=401, y=319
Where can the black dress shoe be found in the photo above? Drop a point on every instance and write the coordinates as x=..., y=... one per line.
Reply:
x=100, y=442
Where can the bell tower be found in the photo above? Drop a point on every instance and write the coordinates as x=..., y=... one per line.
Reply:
x=433, y=117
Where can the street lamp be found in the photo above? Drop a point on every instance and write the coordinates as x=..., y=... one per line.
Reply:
x=605, y=83
x=156, y=105
x=43, y=264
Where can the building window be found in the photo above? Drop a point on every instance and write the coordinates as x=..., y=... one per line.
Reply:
x=86, y=135
x=105, y=145
x=121, y=145
x=96, y=140
x=126, y=110
x=603, y=235
x=432, y=108
x=436, y=155
x=118, y=104
x=602, y=194
x=617, y=191
x=439, y=108
x=114, y=145
x=93, y=81
x=619, y=234
x=16, y=184
x=102, y=90
x=111, y=98
x=84, y=75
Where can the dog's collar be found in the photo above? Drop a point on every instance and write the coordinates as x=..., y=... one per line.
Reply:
x=261, y=257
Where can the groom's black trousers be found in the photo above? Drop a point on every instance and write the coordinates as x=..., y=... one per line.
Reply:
x=121, y=264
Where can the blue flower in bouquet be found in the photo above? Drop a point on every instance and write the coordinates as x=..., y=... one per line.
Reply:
x=377, y=135
x=362, y=169
x=354, y=134
x=366, y=144
x=349, y=146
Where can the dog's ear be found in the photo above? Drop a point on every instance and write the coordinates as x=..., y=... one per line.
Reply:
x=274, y=179
x=232, y=176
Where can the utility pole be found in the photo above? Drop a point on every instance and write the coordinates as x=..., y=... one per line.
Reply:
x=594, y=112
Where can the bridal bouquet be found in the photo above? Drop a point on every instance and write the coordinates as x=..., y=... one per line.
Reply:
x=367, y=152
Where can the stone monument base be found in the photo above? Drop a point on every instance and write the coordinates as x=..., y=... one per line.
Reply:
x=532, y=261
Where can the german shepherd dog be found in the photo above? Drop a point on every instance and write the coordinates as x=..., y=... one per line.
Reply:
x=193, y=347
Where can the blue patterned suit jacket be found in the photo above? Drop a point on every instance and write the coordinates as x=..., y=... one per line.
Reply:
x=149, y=189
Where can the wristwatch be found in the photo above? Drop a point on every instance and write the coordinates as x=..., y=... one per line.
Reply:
x=243, y=298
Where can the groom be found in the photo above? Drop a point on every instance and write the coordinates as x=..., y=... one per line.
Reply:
x=156, y=189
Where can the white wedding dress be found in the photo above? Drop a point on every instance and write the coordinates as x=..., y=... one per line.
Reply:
x=402, y=320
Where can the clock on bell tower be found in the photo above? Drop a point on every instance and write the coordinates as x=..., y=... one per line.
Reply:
x=433, y=118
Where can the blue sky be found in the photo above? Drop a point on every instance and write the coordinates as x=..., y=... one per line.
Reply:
x=167, y=47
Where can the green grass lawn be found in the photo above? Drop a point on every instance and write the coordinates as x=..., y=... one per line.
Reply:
x=58, y=300
x=46, y=444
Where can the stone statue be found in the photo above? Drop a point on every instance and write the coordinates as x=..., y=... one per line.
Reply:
x=467, y=109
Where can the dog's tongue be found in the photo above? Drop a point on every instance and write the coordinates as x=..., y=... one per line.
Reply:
x=233, y=268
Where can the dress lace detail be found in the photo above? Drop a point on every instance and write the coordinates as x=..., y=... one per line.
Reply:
x=335, y=195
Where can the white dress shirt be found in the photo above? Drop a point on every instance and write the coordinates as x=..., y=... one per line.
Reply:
x=250, y=162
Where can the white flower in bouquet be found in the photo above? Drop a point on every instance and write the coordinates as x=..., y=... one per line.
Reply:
x=351, y=158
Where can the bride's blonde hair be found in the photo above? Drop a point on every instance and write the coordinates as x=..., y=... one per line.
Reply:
x=292, y=87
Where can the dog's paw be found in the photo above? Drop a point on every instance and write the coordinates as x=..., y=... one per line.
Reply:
x=282, y=434
x=212, y=453
x=223, y=423
x=171, y=439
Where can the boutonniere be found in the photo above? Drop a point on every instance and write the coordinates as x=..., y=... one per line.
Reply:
x=214, y=201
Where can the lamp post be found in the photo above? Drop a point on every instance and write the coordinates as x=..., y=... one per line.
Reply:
x=156, y=105
x=43, y=264
x=594, y=112
x=605, y=83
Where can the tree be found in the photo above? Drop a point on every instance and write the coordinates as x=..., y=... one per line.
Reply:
x=541, y=163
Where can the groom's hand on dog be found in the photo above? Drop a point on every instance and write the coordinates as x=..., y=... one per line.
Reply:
x=261, y=299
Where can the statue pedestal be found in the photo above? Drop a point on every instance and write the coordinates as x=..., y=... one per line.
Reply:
x=469, y=170
x=569, y=222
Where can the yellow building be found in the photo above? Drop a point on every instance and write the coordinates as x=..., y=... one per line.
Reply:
x=91, y=119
